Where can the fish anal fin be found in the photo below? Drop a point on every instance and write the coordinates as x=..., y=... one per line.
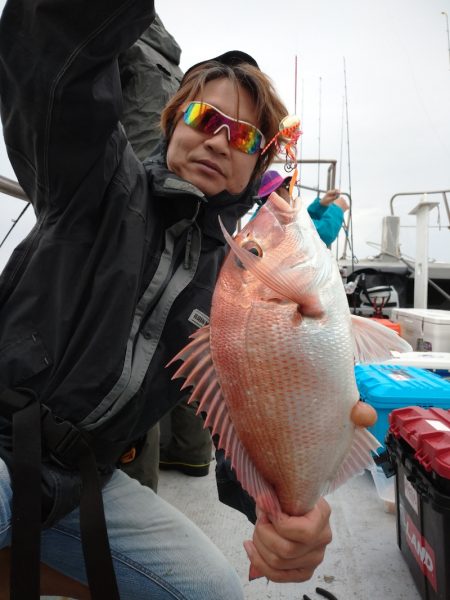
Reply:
x=374, y=342
x=358, y=458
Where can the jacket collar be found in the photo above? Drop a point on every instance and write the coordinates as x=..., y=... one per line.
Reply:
x=168, y=186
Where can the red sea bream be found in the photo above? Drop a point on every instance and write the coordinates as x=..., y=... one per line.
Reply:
x=274, y=368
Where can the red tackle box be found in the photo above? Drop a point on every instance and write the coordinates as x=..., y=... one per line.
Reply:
x=419, y=447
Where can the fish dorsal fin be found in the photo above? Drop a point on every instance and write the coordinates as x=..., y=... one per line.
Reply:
x=373, y=342
x=199, y=371
x=358, y=458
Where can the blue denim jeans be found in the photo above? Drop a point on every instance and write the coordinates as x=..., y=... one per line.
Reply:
x=158, y=553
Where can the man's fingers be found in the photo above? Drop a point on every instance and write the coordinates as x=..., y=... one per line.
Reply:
x=307, y=528
x=260, y=568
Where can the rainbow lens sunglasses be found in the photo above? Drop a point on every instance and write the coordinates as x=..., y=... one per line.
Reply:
x=206, y=118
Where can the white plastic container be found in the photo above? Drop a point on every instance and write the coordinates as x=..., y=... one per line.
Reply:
x=438, y=362
x=385, y=488
x=425, y=329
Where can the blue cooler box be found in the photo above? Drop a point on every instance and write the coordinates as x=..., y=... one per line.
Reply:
x=386, y=387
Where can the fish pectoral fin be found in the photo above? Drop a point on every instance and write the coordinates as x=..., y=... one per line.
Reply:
x=199, y=371
x=358, y=458
x=373, y=342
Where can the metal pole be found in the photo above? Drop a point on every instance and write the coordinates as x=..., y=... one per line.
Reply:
x=421, y=211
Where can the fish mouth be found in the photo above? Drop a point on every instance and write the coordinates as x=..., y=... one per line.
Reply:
x=281, y=210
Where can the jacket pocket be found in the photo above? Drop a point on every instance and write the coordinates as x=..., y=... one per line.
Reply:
x=22, y=358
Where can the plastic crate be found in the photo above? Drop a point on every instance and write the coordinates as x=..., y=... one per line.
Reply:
x=387, y=387
x=419, y=449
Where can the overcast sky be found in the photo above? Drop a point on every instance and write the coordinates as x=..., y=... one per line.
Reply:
x=398, y=95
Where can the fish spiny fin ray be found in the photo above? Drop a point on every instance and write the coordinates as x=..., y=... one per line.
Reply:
x=358, y=458
x=373, y=342
x=202, y=376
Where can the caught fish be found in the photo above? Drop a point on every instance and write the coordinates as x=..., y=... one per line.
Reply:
x=274, y=368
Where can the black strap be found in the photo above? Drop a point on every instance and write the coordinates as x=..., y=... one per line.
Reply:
x=26, y=504
x=94, y=534
x=69, y=448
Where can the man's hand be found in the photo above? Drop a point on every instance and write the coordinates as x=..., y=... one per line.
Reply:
x=289, y=549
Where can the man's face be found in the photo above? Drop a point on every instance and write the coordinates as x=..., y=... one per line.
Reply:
x=209, y=161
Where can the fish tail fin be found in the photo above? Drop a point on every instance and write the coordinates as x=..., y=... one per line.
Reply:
x=359, y=457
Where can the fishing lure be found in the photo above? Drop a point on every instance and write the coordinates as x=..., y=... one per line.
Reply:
x=286, y=139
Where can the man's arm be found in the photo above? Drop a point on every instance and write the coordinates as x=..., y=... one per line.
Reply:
x=60, y=89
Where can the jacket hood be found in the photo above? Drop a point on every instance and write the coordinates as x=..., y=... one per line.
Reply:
x=160, y=40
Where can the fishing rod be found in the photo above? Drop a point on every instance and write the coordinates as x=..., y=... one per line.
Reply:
x=14, y=221
x=349, y=224
x=340, y=167
x=320, y=119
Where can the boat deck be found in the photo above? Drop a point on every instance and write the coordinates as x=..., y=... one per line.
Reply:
x=363, y=561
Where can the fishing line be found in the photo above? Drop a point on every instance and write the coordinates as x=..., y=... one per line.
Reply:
x=340, y=170
x=320, y=119
x=295, y=86
x=342, y=143
x=15, y=221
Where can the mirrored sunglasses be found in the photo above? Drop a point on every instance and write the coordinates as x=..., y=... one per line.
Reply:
x=206, y=118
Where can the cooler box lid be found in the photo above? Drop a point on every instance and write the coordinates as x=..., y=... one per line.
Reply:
x=427, y=431
x=430, y=315
x=421, y=360
x=397, y=385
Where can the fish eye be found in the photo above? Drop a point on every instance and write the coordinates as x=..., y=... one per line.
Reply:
x=253, y=247
x=250, y=246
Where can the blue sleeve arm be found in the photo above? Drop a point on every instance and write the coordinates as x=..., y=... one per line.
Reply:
x=60, y=89
x=330, y=223
x=315, y=209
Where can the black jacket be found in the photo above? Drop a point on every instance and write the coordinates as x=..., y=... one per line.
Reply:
x=150, y=75
x=97, y=299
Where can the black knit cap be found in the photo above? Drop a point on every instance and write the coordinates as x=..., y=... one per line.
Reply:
x=230, y=58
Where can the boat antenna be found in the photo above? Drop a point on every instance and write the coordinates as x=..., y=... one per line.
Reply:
x=14, y=221
x=448, y=36
x=320, y=118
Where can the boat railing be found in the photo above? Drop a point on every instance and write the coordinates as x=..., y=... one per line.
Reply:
x=12, y=188
x=443, y=193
